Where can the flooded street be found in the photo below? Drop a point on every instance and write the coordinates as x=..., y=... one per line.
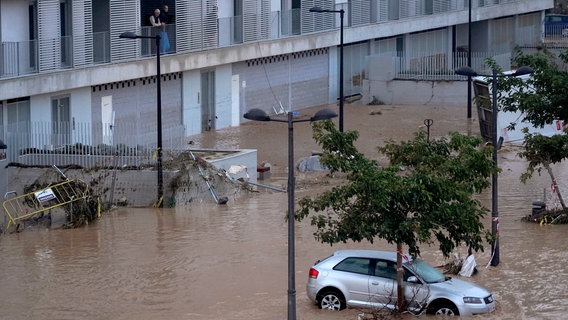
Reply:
x=208, y=261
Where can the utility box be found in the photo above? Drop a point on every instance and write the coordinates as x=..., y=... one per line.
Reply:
x=538, y=207
x=263, y=173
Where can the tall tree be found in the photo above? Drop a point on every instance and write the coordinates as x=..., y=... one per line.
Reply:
x=424, y=195
x=543, y=100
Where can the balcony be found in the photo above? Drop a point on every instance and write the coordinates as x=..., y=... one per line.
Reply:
x=24, y=58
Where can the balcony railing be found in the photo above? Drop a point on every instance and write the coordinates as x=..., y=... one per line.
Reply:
x=23, y=58
x=18, y=58
x=441, y=66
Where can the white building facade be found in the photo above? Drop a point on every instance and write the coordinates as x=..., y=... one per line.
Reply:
x=63, y=65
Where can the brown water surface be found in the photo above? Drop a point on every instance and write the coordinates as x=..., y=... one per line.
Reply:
x=208, y=261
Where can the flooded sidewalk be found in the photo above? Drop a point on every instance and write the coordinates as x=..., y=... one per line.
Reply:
x=375, y=124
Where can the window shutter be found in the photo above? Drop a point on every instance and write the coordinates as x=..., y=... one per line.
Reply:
x=49, y=35
x=124, y=17
x=82, y=33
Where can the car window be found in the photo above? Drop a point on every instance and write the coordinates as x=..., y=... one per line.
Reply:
x=385, y=269
x=425, y=271
x=322, y=260
x=356, y=265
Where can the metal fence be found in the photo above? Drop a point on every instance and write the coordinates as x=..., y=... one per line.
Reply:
x=442, y=66
x=88, y=144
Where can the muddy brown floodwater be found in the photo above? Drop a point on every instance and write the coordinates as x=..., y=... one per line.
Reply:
x=209, y=261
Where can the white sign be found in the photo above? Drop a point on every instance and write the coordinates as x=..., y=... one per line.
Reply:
x=45, y=195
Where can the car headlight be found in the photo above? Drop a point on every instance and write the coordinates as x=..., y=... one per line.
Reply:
x=472, y=300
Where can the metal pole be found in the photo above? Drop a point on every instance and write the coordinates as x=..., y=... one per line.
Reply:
x=291, y=249
x=494, y=189
x=341, y=96
x=159, y=120
x=469, y=63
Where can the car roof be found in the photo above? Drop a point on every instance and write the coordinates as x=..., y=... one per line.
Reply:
x=387, y=255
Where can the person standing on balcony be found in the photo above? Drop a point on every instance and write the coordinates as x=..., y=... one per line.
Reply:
x=165, y=15
x=161, y=30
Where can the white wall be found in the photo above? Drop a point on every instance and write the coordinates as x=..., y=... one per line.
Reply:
x=191, y=90
x=80, y=110
x=80, y=101
x=225, y=8
x=223, y=101
x=14, y=17
x=81, y=105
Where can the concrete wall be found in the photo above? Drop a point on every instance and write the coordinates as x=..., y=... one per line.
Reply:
x=411, y=92
x=382, y=85
x=246, y=158
x=183, y=182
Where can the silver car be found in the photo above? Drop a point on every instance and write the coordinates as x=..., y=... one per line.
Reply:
x=367, y=278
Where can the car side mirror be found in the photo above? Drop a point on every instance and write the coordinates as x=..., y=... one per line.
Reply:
x=412, y=279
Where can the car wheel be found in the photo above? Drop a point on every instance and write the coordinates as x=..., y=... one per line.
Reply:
x=331, y=300
x=446, y=309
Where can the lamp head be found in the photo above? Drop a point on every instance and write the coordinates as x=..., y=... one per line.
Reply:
x=466, y=71
x=323, y=114
x=317, y=9
x=128, y=35
x=257, y=115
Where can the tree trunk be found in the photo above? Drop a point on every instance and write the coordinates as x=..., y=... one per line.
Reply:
x=554, y=185
x=399, y=276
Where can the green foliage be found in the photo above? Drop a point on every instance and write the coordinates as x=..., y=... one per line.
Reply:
x=541, y=150
x=542, y=99
x=431, y=199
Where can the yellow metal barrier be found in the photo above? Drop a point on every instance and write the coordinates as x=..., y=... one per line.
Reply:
x=57, y=195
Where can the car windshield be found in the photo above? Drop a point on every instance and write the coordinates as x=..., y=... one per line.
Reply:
x=425, y=271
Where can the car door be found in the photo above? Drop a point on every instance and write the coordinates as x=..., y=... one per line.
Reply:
x=382, y=284
x=416, y=292
x=354, y=274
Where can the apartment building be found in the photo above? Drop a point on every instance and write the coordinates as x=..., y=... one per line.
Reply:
x=66, y=76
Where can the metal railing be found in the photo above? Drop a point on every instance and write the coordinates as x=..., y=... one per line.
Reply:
x=21, y=58
x=51, y=197
x=440, y=65
x=557, y=31
x=88, y=144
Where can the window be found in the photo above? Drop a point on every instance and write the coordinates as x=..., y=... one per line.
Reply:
x=385, y=269
x=60, y=121
x=355, y=265
x=425, y=271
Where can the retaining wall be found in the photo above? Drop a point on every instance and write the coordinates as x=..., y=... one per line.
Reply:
x=183, y=183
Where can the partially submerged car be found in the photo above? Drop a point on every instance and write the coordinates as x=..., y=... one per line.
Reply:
x=367, y=278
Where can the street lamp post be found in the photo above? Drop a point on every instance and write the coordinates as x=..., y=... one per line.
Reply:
x=132, y=35
x=260, y=115
x=469, y=61
x=467, y=71
x=341, y=94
